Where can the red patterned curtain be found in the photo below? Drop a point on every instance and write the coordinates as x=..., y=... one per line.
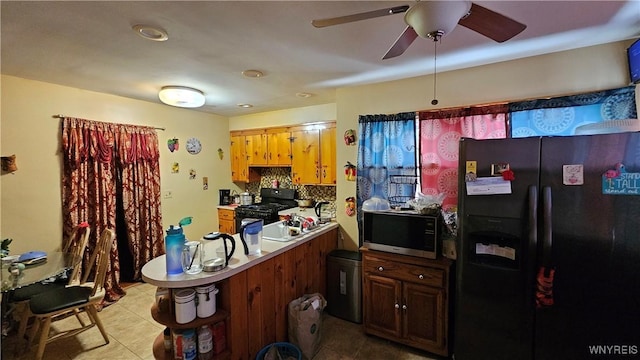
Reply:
x=440, y=132
x=96, y=155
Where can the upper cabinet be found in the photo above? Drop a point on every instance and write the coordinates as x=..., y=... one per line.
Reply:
x=256, y=147
x=240, y=171
x=279, y=148
x=314, y=155
x=310, y=151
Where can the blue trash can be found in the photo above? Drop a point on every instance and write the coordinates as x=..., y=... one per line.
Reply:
x=285, y=350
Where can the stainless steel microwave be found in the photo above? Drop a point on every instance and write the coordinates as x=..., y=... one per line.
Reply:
x=401, y=232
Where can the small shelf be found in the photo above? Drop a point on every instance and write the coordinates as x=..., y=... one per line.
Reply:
x=160, y=354
x=166, y=318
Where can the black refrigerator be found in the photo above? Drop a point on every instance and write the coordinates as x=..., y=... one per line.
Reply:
x=548, y=260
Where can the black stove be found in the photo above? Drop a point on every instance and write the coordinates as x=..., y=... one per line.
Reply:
x=272, y=201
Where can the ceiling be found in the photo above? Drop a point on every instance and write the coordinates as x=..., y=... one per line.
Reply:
x=91, y=45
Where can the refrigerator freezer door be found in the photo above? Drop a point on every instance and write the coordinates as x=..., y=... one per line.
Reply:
x=595, y=250
x=494, y=314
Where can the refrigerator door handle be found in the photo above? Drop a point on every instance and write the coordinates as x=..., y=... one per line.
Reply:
x=547, y=237
x=544, y=279
x=533, y=217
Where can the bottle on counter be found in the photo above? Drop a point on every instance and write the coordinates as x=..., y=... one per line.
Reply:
x=173, y=245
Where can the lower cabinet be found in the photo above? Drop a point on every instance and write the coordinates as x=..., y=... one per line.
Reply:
x=227, y=221
x=406, y=299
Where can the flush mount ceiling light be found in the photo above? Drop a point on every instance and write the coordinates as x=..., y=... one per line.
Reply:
x=253, y=73
x=181, y=96
x=245, y=105
x=304, y=95
x=151, y=32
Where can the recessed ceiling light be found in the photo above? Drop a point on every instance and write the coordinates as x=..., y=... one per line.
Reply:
x=245, y=105
x=253, y=73
x=304, y=95
x=151, y=32
x=181, y=96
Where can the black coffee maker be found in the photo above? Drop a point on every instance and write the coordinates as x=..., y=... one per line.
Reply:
x=225, y=196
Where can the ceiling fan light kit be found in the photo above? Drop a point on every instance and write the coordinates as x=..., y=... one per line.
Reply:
x=427, y=17
x=181, y=96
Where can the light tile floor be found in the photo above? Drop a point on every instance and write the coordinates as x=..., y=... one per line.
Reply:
x=132, y=332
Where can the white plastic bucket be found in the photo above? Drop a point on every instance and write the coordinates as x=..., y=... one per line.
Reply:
x=185, y=305
x=206, y=300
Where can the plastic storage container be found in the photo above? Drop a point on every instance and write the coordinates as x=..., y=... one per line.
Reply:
x=206, y=300
x=185, y=306
x=344, y=285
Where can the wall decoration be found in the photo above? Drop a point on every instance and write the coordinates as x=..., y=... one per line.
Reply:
x=175, y=168
x=193, y=146
x=220, y=153
x=350, y=206
x=205, y=183
x=173, y=144
x=350, y=171
x=192, y=174
x=9, y=163
x=350, y=137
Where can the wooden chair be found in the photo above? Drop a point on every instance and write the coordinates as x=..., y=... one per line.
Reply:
x=86, y=296
x=76, y=245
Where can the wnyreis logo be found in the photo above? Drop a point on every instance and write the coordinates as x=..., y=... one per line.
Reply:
x=620, y=350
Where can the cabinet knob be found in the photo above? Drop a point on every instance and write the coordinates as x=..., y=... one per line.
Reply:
x=380, y=268
x=397, y=306
x=404, y=307
x=421, y=277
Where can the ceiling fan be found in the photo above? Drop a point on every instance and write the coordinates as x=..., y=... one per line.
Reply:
x=434, y=19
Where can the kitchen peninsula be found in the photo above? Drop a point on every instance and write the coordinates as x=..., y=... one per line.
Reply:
x=254, y=291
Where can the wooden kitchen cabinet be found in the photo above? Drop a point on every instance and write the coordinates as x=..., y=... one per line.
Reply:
x=256, y=148
x=406, y=299
x=226, y=221
x=279, y=148
x=328, y=156
x=240, y=171
x=314, y=153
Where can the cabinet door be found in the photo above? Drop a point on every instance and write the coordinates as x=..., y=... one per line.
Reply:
x=238, y=159
x=381, y=300
x=423, y=316
x=226, y=221
x=279, y=146
x=328, y=156
x=257, y=149
x=305, y=165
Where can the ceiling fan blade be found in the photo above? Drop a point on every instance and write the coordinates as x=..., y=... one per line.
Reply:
x=402, y=43
x=360, y=16
x=491, y=24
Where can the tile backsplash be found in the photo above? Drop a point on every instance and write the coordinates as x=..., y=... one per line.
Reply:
x=283, y=175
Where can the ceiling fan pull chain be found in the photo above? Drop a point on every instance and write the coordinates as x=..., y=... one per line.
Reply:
x=436, y=38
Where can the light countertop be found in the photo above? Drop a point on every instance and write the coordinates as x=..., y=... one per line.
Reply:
x=154, y=272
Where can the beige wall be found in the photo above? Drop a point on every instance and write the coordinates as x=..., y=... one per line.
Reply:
x=570, y=72
x=286, y=117
x=31, y=196
x=30, y=205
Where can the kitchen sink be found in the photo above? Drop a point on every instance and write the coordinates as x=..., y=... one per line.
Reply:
x=279, y=232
